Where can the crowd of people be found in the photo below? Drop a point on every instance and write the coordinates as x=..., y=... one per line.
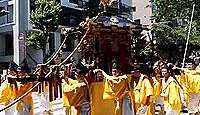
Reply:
x=165, y=86
x=11, y=90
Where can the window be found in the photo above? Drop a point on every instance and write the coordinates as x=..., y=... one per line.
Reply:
x=2, y=17
x=32, y=5
x=9, y=44
x=73, y=1
x=10, y=15
x=2, y=20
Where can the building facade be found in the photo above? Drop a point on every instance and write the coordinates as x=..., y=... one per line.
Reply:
x=15, y=25
x=9, y=42
x=143, y=12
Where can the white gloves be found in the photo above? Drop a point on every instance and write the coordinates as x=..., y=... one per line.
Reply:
x=142, y=110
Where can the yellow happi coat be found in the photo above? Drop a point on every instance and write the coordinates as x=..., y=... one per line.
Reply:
x=115, y=88
x=106, y=97
x=171, y=94
x=75, y=93
x=7, y=93
x=25, y=104
x=189, y=80
x=142, y=91
x=157, y=89
x=12, y=91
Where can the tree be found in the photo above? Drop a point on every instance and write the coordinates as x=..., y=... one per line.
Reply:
x=45, y=19
x=172, y=22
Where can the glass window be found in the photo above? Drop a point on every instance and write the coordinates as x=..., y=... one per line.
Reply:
x=2, y=18
x=73, y=1
x=10, y=15
x=9, y=44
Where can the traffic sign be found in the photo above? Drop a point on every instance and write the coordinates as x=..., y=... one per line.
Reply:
x=21, y=36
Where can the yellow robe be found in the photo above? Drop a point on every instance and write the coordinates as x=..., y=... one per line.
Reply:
x=10, y=92
x=7, y=93
x=142, y=91
x=25, y=104
x=116, y=88
x=157, y=89
x=190, y=82
x=171, y=94
x=100, y=106
x=75, y=94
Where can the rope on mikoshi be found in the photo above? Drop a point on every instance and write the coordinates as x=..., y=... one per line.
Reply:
x=58, y=50
x=38, y=83
x=60, y=47
x=75, y=49
x=25, y=94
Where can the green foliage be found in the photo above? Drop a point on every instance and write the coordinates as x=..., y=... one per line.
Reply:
x=45, y=19
x=174, y=11
x=167, y=35
x=34, y=40
x=45, y=16
x=169, y=10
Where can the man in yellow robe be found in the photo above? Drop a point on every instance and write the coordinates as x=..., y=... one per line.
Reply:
x=24, y=106
x=12, y=89
x=116, y=87
x=143, y=91
x=171, y=93
x=157, y=88
x=76, y=92
x=191, y=78
x=8, y=89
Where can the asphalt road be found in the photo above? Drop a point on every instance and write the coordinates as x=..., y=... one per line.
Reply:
x=57, y=107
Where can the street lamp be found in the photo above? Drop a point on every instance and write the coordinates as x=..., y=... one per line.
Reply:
x=3, y=12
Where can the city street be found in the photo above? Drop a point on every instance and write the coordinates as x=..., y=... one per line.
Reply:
x=57, y=107
x=100, y=55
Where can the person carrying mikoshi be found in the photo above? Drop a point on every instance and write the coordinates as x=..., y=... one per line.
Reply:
x=25, y=106
x=191, y=78
x=171, y=93
x=157, y=86
x=116, y=87
x=143, y=91
x=8, y=89
x=76, y=91
x=13, y=89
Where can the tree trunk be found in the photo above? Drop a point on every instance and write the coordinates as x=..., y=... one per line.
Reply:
x=44, y=46
x=44, y=53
